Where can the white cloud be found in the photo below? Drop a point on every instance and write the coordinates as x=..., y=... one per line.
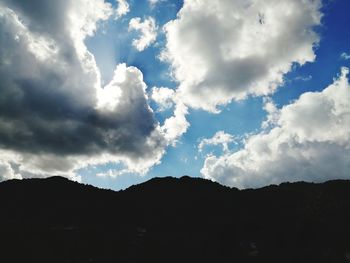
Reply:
x=310, y=141
x=55, y=117
x=344, y=56
x=220, y=138
x=153, y=3
x=227, y=49
x=122, y=9
x=113, y=173
x=148, y=32
x=304, y=78
x=164, y=97
x=176, y=125
x=7, y=173
x=273, y=113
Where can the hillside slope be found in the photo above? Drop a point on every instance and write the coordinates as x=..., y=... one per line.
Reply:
x=173, y=220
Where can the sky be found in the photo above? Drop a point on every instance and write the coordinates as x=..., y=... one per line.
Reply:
x=115, y=92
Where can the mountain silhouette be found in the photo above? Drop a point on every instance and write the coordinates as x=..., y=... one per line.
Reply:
x=173, y=220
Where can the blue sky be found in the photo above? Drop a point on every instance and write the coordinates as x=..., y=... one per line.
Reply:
x=236, y=118
x=183, y=159
x=240, y=92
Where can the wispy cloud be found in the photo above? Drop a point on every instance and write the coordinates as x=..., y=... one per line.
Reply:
x=122, y=9
x=344, y=56
x=220, y=138
x=304, y=78
x=148, y=32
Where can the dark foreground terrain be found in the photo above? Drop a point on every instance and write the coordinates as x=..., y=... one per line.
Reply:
x=173, y=220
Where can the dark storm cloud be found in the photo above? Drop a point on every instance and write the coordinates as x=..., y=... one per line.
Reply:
x=50, y=89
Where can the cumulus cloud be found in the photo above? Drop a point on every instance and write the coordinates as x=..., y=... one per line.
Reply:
x=55, y=117
x=310, y=141
x=220, y=138
x=148, y=32
x=227, y=49
x=122, y=9
x=164, y=97
x=176, y=125
x=273, y=113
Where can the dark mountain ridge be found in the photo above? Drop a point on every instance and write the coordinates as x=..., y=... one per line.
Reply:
x=173, y=220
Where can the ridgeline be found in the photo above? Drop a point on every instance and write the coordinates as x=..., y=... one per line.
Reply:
x=166, y=220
